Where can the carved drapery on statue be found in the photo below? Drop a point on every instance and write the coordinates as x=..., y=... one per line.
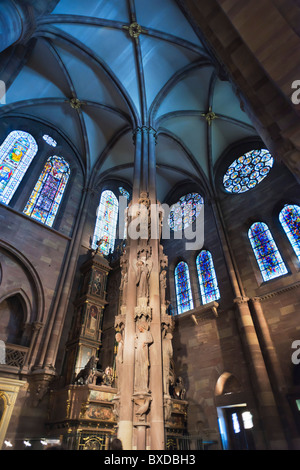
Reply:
x=142, y=342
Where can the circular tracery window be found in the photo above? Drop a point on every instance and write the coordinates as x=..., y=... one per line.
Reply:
x=248, y=171
x=184, y=212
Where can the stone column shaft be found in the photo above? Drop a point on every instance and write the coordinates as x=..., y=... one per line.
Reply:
x=273, y=367
x=270, y=420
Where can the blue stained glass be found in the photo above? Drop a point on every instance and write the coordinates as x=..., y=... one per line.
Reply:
x=183, y=288
x=46, y=196
x=106, y=222
x=290, y=220
x=255, y=164
x=207, y=277
x=124, y=193
x=184, y=212
x=16, y=154
x=266, y=252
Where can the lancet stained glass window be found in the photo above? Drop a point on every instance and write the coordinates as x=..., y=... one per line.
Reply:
x=266, y=252
x=207, y=277
x=183, y=288
x=248, y=171
x=185, y=211
x=106, y=222
x=290, y=220
x=46, y=196
x=16, y=154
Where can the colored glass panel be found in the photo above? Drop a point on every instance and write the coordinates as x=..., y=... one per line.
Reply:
x=124, y=192
x=16, y=154
x=46, y=196
x=207, y=277
x=50, y=140
x=248, y=171
x=106, y=222
x=266, y=252
x=183, y=288
x=185, y=211
x=290, y=220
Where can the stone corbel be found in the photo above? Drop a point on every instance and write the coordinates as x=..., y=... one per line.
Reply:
x=39, y=385
x=199, y=314
x=142, y=403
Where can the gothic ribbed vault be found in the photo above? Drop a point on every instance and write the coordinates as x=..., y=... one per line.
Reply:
x=161, y=75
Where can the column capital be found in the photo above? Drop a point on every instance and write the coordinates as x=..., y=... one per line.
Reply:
x=241, y=300
x=140, y=130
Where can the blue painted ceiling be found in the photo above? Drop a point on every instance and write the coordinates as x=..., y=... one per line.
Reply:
x=164, y=78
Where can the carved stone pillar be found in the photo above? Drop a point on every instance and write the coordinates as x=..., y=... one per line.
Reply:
x=142, y=321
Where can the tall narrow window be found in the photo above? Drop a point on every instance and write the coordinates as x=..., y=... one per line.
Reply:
x=266, y=252
x=16, y=154
x=106, y=222
x=183, y=288
x=47, y=194
x=290, y=220
x=207, y=277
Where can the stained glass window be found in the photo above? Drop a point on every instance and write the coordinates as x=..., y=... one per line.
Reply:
x=124, y=192
x=49, y=140
x=266, y=252
x=185, y=211
x=207, y=277
x=183, y=288
x=248, y=171
x=290, y=220
x=16, y=154
x=46, y=196
x=106, y=222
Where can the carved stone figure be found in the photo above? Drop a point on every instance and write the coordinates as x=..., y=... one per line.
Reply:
x=167, y=349
x=142, y=278
x=142, y=342
x=119, y=356
x=163, y=285
x=143, y=407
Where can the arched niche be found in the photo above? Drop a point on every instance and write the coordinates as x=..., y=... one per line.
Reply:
x=227, y=384
x=12, y=319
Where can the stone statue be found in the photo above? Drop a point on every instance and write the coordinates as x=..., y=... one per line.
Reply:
x=167, y=350
x=163, y=285
x=142, y=277
x=142, y=342
x=119, y=356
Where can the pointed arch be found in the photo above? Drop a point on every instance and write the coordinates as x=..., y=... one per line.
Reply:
x=106, y=222
x=183, y=288
x=47, y=194
x=267, y=255
x=289, y=218
x=207, y=277
x=16, y=154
